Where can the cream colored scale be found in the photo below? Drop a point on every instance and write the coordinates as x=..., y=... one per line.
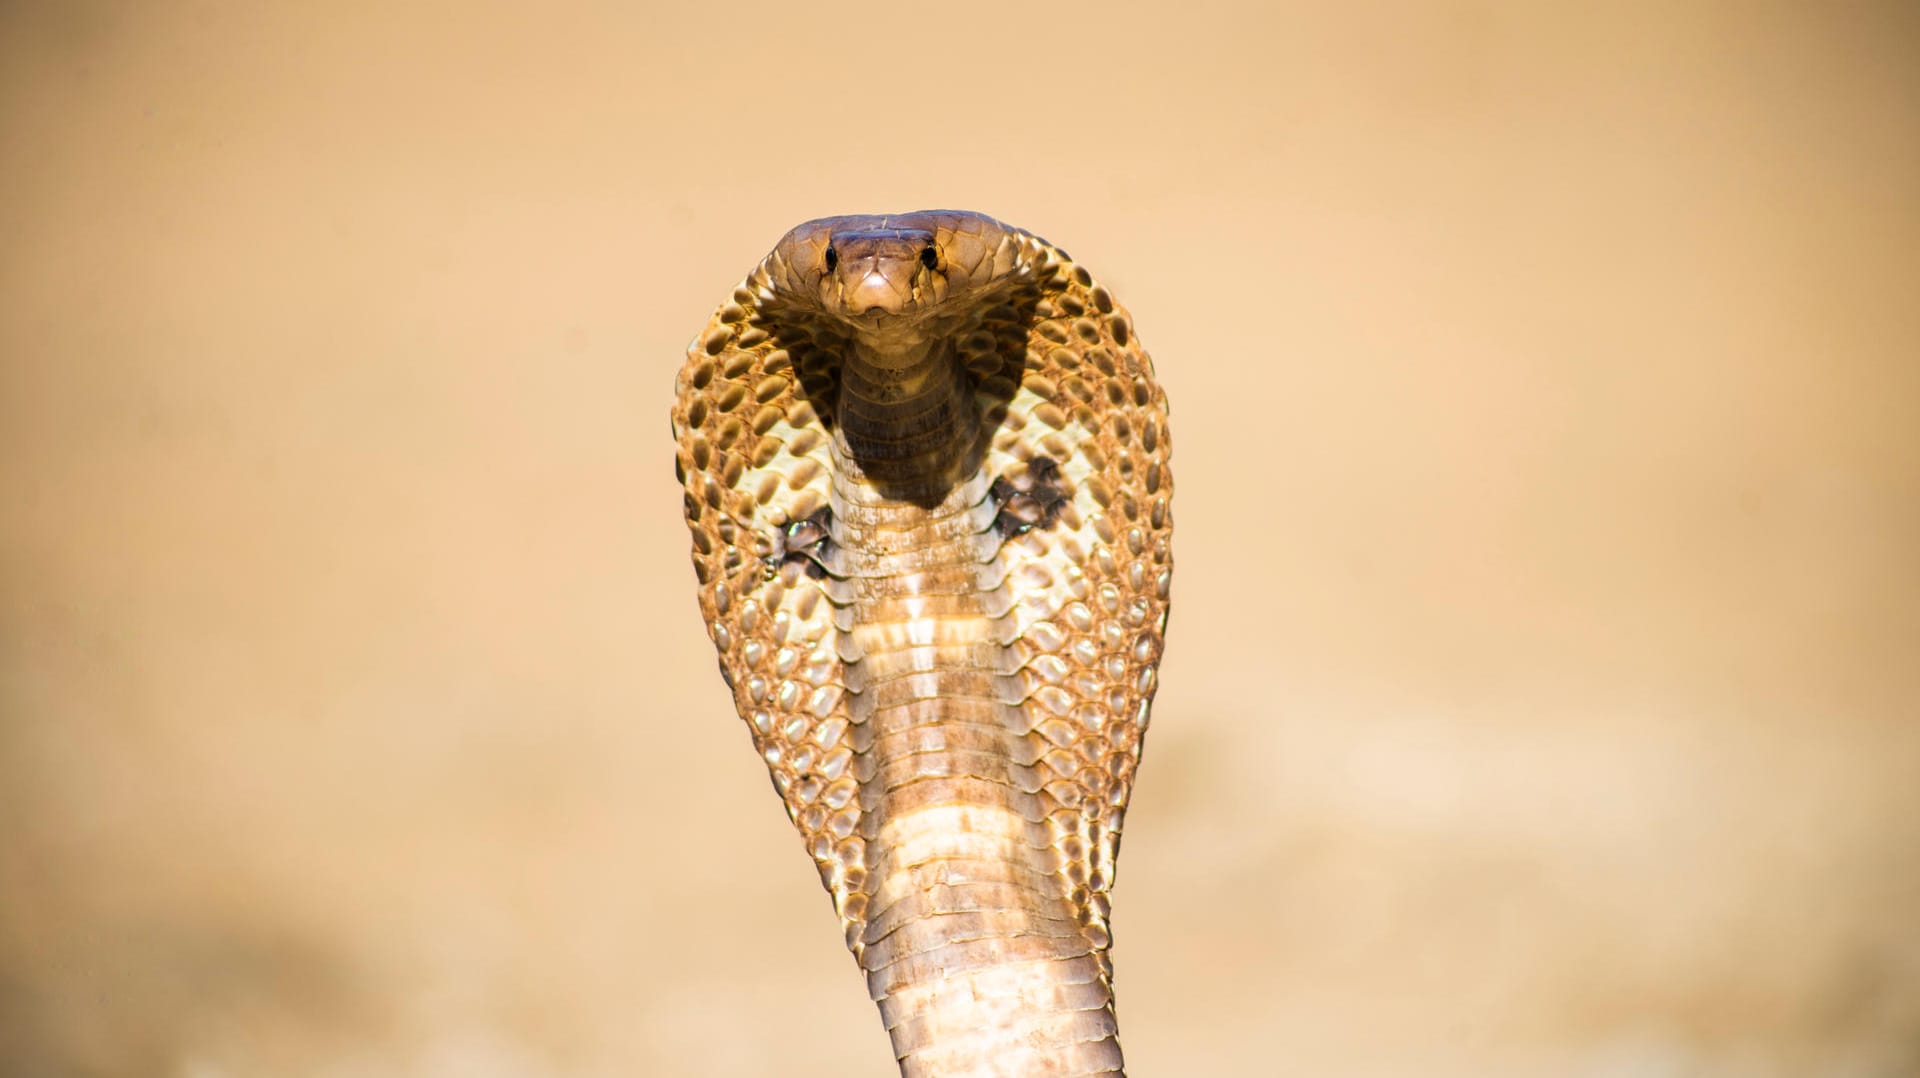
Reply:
x=927, y=484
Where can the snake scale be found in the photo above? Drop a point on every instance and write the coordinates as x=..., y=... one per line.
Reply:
x=925, y=465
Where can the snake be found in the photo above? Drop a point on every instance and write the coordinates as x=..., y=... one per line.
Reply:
x=925, y=462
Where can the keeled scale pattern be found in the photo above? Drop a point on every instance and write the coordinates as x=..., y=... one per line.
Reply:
x=1090, y=593
x=1070, y=395
x=754, y=456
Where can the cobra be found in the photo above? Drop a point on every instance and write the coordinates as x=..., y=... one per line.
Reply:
x=926, y=472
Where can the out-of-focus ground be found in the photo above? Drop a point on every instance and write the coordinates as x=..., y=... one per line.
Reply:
x=1542, y=689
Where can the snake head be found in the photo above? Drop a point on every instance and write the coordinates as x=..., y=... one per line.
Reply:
x=894, y=279
x=878, y=273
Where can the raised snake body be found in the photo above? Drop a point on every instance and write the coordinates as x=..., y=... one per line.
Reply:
x=925, y=462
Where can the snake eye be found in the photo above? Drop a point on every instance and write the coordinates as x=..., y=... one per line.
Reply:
x=833, y=258
x=929, y=257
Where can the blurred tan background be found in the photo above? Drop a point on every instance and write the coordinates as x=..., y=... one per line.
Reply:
x=1541, y=696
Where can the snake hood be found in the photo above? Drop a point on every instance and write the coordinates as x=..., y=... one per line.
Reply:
x=926, y=472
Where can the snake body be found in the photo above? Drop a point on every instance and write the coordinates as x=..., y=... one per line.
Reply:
x=925, y=463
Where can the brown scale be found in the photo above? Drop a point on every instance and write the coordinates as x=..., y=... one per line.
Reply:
x=1061, y=430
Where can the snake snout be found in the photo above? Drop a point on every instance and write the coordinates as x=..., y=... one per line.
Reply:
x=876, y=292
x=877, y=271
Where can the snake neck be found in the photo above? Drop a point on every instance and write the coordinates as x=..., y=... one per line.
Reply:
x=907, y=421
x=970, y=945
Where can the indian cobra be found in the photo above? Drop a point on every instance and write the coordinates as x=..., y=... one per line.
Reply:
x=925, y=462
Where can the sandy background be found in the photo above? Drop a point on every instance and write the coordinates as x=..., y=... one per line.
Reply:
x=1541, y=696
